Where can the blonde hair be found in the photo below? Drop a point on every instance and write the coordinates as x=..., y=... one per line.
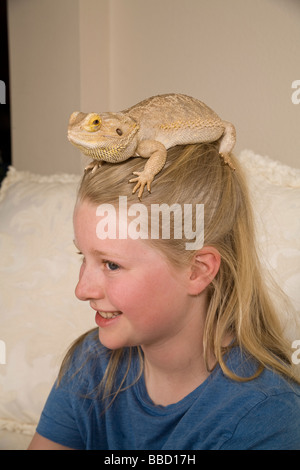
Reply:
x=239, y=302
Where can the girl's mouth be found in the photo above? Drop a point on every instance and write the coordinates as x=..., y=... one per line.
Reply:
x=108, y=315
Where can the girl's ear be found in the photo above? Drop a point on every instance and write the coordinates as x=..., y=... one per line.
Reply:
x=204, y=267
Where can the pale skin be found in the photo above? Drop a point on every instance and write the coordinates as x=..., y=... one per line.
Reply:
x=160, y=308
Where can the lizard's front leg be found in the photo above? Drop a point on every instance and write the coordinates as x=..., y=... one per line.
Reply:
x=157, y=154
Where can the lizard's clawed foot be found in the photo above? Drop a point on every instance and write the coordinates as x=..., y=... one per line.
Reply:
x=143, y=179
x=93, y=166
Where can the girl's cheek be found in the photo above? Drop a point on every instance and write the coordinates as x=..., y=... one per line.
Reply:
x=121, y=295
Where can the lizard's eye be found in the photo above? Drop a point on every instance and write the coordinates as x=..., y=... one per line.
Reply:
x=119, y=131
x=94, y=123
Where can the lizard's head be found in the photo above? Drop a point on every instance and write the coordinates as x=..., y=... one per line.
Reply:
x=110, y=136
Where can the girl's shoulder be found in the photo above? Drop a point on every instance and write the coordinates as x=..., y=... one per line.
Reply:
x=268, y=383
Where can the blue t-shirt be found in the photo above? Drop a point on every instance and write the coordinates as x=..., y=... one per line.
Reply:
x=221, y=413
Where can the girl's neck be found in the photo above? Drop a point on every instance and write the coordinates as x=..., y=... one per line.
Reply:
x=168, y=386
x=175, y=368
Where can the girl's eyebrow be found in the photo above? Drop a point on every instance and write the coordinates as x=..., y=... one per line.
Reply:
x=102, y=253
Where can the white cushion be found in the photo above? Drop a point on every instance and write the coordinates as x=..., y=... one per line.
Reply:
x=275, y=194
x=39, y=313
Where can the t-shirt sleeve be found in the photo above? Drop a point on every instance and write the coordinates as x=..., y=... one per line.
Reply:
x=262, y=429
x=58, y=419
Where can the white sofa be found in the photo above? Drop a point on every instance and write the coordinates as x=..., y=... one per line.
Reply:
x=39, y=313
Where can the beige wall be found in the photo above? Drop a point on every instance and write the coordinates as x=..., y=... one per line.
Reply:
x=239, y=56
x=58, y=64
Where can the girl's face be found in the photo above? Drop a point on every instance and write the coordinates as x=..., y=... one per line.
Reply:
x=139, y=299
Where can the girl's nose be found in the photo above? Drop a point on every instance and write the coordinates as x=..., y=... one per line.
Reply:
x=89, y=285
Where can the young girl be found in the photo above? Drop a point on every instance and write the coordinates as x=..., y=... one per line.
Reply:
x=188, y=352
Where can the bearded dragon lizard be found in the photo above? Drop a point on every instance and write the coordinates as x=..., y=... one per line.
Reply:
x=148, y=129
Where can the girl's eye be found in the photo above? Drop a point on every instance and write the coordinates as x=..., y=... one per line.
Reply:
x=112, y=266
